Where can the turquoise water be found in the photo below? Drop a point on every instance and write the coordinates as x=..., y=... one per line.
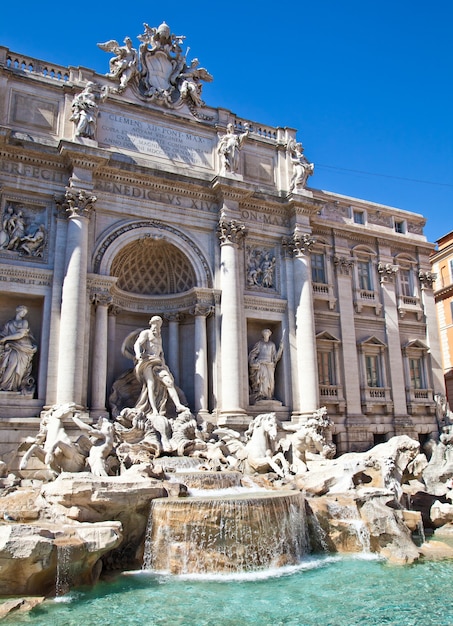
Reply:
x=326, y=591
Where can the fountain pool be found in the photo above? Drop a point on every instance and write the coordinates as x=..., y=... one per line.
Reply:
x=321, y=591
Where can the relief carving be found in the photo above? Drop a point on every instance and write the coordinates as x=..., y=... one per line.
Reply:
x=21, y=232
x=260, y=267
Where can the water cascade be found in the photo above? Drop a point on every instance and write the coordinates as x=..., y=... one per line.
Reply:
x=63, y=577
x=232, y=533
x=352, y=529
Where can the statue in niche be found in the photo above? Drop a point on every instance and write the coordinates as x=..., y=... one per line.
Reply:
x=263, y=358
x=84, y=112
x=124, y=65
x=151, y=370
x=229, y=147
x=18, y=236
x=302, y=168
x=17, y=348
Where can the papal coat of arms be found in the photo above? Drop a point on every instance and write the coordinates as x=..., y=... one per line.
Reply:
x=159, y=72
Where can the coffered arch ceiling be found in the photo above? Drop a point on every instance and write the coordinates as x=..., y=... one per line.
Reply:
x=153, y=267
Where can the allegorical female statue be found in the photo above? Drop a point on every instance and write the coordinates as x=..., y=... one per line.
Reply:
x=263, y=358
x=17, y=347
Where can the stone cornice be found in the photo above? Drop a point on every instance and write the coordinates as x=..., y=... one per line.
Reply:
x=445, y=292
x=164, y=304
x=100, y=283
x=155, y=182
x=81, y=155
x=231, y=189
x=17, y=154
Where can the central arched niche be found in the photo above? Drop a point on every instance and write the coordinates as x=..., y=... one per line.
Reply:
x=153, y=266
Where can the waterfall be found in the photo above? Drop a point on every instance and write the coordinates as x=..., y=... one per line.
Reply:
x=226, y=533
x=63, y=577
x=348, y=516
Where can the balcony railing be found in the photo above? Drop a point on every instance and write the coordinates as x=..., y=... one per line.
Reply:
x=372, y=396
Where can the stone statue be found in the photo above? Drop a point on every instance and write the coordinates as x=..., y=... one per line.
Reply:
x=101, y=440
x=263, y=358
x=52, y=444
x=302, y=168
x=84, y=112
x=191, y=86
x=151, y=370
x=258, y=453
x=229, y=147
x=123, y=66
x=17, y=347
x=310, y=436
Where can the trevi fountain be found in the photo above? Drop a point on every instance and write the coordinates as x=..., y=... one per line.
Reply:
x=157, y=509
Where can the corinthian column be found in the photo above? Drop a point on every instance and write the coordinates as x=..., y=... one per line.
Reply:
x=79, y=206
x=307, y=367
x=172, y=357
x=100, y=347
x=230, y=234
x=201, y=359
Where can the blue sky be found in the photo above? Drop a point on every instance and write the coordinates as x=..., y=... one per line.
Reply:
x=368, y=84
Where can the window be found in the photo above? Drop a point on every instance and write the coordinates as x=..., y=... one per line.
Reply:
x=406, y=282
x=326, y=368
x=416, y=373
x=318, y=268
x=400, y=226
x=451, y=271
x=358, y=217
x=364, y=273
x=373, y=370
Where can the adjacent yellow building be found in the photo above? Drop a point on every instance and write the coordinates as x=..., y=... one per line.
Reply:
x=442, y=266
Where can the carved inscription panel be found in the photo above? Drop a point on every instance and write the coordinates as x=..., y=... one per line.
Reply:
x=164, y=142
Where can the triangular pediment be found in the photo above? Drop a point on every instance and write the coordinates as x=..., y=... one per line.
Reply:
x=326, y=336
x=372, y=341
x=416, y=344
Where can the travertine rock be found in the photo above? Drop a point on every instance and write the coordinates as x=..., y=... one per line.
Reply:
x=29, y=554
x=441, y=513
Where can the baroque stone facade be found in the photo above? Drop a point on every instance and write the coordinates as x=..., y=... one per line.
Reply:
x=138, y=199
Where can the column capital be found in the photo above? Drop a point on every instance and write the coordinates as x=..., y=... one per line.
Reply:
x=343, y=265
x=426, y=279
x=387, y=272
x=101, y=298
x=114, y=310
x=230, y=231
x=76, y=203
x=298, y=244
x=201, y=310
x=175, y=316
